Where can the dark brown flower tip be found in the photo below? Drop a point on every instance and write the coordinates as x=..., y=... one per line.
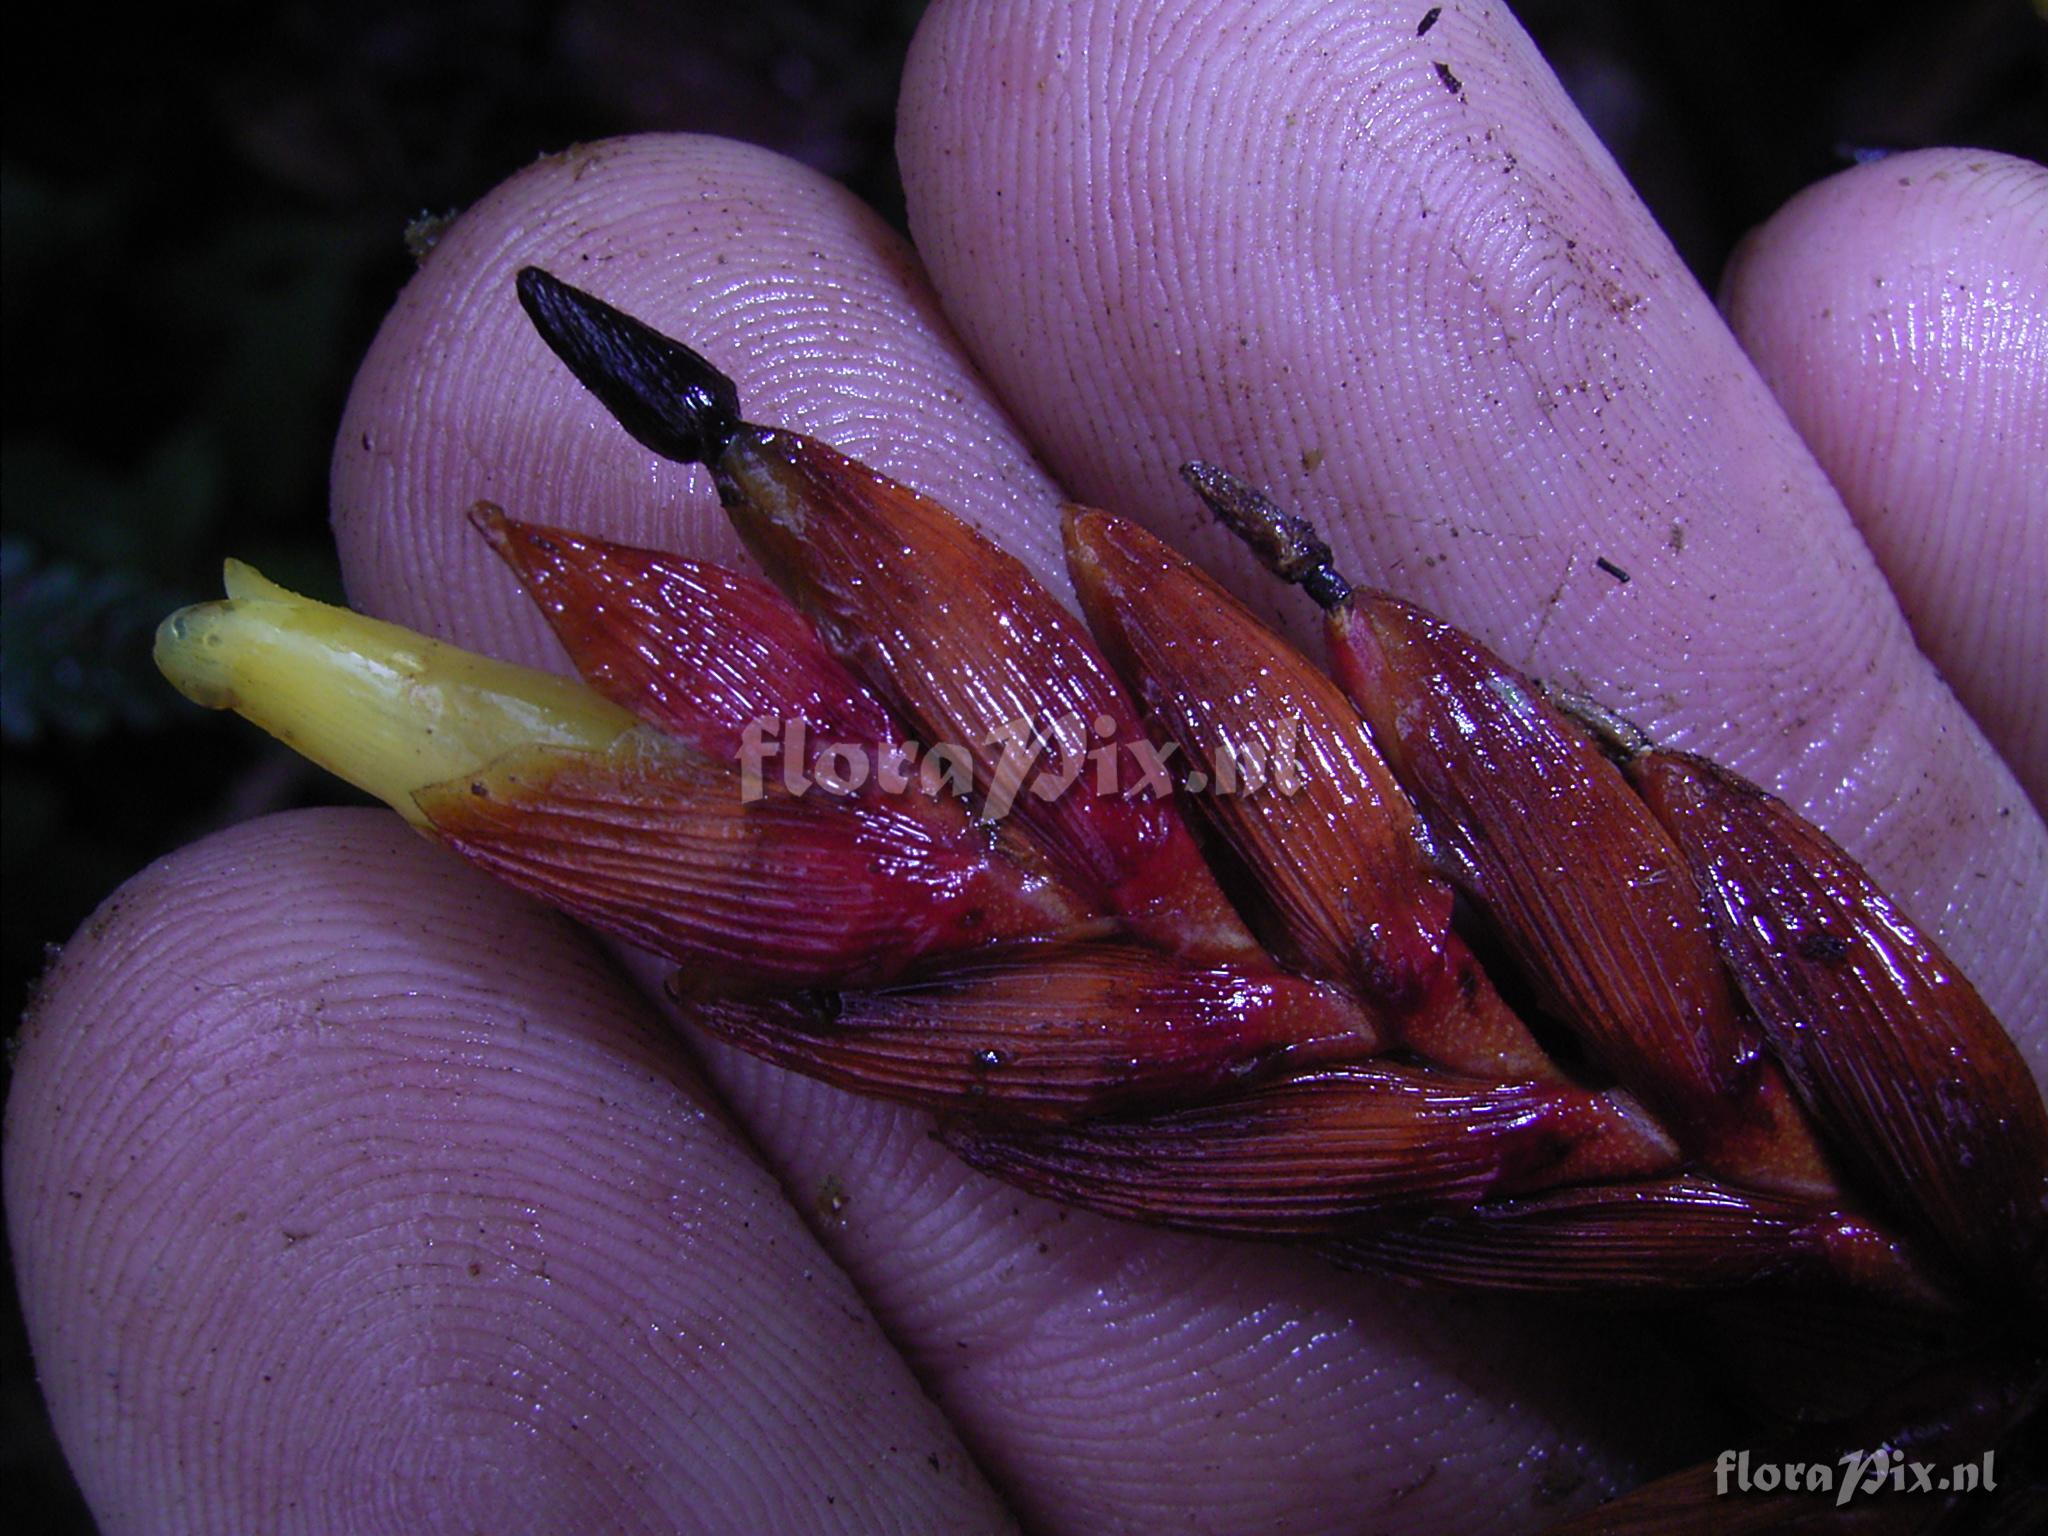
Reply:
x=668, y=397
x=1285, y=542
x=1055, y=1035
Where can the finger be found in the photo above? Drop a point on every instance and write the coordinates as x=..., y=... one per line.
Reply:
x=1111, y=1377
x=459, y=399
x=349, y=1192
x=1390, y=273
x=1899, y=312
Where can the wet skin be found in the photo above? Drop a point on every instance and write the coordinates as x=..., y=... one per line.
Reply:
x=348, y=1191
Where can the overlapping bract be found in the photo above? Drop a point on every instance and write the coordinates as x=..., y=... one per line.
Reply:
x=1674, y=1040
x=1358, y=1079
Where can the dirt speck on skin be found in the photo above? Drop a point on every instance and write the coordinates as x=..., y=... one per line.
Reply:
x=1451, y=82
x=1620, y=301
x=830, y=1201
x=1311, y=460
x=1408, y=1490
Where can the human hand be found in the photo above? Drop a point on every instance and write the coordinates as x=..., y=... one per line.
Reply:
x=349, y=1191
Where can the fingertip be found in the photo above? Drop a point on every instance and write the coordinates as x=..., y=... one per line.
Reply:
x=348, y=1191
x=1899, y=312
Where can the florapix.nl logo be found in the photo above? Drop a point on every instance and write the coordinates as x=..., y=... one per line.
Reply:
x=1856, y=1474
x=1045, y=758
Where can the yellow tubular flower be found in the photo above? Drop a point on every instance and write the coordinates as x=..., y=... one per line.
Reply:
x=391, y=711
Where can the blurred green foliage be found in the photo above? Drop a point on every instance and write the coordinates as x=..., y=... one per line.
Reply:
x=205, y=212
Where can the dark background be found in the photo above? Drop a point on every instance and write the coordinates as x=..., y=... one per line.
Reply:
x=204, y=216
